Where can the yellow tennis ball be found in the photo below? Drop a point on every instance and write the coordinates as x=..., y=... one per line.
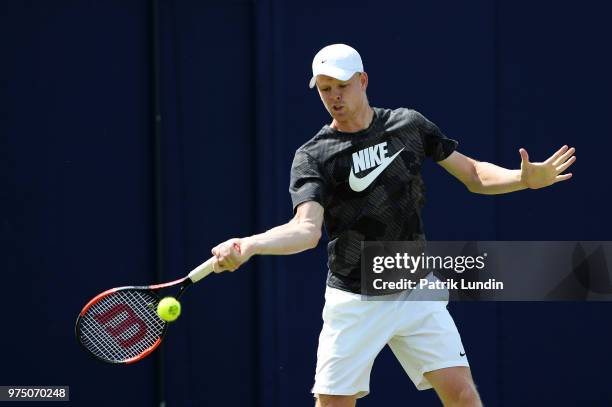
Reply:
x=169, y=309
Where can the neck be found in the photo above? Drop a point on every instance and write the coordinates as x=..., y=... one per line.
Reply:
x=359, y=121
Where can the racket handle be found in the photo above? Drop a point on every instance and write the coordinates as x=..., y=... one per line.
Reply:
x=202, y=270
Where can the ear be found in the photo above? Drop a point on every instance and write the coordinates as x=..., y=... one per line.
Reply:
x=363, y=80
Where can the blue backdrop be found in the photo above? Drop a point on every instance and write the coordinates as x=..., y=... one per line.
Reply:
x=77, y=208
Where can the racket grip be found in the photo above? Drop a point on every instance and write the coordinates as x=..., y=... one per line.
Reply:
x=206, y=268
x=202, y=270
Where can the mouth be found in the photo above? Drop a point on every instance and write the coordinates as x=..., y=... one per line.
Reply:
x=337, y=108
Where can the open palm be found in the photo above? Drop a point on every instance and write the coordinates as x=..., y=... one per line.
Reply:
x=540, y=175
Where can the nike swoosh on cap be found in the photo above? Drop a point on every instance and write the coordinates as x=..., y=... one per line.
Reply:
x=359, y=184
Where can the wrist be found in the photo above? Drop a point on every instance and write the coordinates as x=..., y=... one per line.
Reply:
x=251, y=246
x=522, y=182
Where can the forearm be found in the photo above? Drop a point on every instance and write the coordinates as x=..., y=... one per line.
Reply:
x=301, y=233
x=290, y=238
x=491, y=179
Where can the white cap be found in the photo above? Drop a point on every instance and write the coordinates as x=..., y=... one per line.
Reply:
x=338, y=61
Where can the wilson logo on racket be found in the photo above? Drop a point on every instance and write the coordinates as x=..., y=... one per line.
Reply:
x=124, y=326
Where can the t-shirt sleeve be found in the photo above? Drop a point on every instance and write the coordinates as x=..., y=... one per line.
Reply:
x=436, y=145
x=307, y=183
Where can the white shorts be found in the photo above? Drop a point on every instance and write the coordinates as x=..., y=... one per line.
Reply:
x=421, y=334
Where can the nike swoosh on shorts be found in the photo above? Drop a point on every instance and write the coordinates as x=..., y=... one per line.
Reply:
x=359, y=184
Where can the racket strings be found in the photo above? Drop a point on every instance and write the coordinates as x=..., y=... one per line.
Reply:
x=121, y=325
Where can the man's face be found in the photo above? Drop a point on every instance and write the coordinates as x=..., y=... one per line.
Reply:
x=342, y=99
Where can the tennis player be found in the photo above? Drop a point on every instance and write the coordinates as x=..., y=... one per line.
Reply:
x=360, y=176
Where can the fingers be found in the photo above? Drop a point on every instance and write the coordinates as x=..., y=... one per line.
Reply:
x=524, y=155
x=563, y=177
x=553, y=158
x=565, y=165
x=227, y=256
x=563, y=158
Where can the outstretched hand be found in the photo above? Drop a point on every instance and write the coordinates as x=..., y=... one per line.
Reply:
x=540, y=175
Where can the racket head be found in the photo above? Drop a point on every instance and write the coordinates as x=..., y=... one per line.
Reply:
x=121, y=325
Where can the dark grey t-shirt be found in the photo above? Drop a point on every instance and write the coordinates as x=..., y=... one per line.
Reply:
x=369, y=183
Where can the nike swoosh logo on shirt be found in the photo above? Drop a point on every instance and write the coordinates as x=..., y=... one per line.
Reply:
x=359, y=184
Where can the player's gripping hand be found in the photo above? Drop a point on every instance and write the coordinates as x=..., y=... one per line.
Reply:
x=232, y=254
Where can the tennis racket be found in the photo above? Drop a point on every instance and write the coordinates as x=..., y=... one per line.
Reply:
x=121, y=325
